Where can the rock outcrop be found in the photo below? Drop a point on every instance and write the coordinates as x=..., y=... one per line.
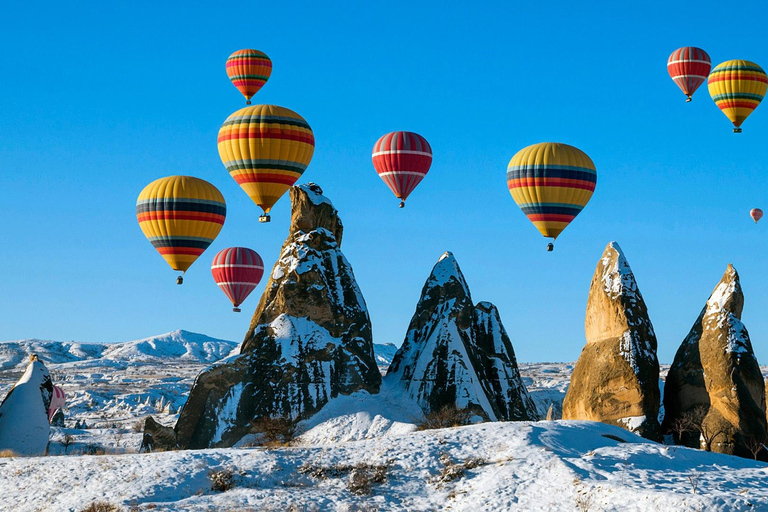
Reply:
x=24, y=427
x=616, y=379
x=157, y=437
x=714, y=386
x=309, y=341
x=458, y=354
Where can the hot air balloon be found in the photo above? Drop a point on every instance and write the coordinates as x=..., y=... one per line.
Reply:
x=58, y=399
x=265, y=148
x=237, y=271
x=689, y=66
x=737, y=87
x=402, y=159
x=249, y=70
x=180, y=216
x=756, y=214
x=551, y=183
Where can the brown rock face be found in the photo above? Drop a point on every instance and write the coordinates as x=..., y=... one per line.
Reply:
x=715, y=381
x=309, y=341
x=616, y=379
x=157, y=437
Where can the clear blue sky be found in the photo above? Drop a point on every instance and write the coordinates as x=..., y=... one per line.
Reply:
x=97, y=101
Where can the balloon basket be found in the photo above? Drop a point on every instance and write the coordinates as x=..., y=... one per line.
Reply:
x=737, y=130
x=236, y=310
x=264, y=218
x=248, y=102
x=550, y=247
x=402, y=204
x=180, y=280
x=688, y=100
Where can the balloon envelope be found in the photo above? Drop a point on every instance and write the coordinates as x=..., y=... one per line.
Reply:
x=756, y=214
x=688, y=67
x=551, y=183
x=249, y=70
x=737, y=88
x=402, y=159
x=237, y=271
x=58, y=399
x=265, y=148
x=180, y=216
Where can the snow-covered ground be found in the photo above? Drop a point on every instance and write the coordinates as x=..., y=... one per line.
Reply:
x=493, y=466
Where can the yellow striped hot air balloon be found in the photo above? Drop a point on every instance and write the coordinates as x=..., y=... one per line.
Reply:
x=265, y=148
x=737, y=87
x=551, y=183
x=180, y=216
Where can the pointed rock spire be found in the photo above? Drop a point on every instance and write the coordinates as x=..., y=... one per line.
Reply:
x=457, y=354
x=309, y=341
x=616, y=378
x=715, y=381
x=24, y=427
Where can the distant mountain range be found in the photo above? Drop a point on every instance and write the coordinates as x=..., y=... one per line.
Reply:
x=176, y=345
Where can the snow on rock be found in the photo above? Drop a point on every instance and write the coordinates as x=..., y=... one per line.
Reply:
x=715, y=375
x=616, y=377
x=309, y=341
x=546, y=466
x=24, y=427
x=457, y=354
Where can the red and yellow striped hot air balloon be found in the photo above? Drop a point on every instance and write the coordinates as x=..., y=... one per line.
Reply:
x=689, y=66
x=237, y=271
x=402, y=159
x=249, y=70
x=737, y=87
x=180, y=216
x=266, y=148
x=551, y=183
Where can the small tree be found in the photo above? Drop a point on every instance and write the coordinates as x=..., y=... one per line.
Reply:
x=755, y=446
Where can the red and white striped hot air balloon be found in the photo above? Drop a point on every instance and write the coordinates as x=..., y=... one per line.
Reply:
x=402, y=159
x=58, y=399
x=689, y=67
x=756, y=214
x=237, y=271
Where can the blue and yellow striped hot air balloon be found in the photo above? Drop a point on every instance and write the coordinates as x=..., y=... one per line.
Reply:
x=551, y=183
x=737, y=88
x=180, y=216
x=265, y=148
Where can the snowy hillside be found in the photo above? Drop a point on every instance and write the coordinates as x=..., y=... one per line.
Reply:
x=531, y=466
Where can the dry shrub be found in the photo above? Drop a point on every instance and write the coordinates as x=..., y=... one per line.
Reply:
x=447, y=416
x=453, y=471
x=361, y=478
x=278, y=431
x=94, y=449
x=222, y=480
x=7, y=453
x=101, y=506
x=138, y=427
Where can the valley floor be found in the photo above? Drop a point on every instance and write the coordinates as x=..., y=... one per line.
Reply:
x=546, y=465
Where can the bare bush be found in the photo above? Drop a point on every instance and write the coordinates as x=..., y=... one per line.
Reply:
x=755, y=446
x=222, y=480
x=7, y=454
x=446, y=417
x=278, y=431
x=694, y=478
x=361, y=478
x=138, y=427
x=102, y=506
x=66, y=441
x=453, y=471
x=94, y=449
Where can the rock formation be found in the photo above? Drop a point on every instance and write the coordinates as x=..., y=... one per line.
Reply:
x=24, y=427
x=309, y=341
x=456, y=353
x=157, y=437
x=714, y=385
x=616, y=379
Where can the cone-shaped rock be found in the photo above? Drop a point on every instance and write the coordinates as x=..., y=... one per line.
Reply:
x=24, y=427
x=457, y=354
x=616, y=379
x=309, y=340
x=715, y=379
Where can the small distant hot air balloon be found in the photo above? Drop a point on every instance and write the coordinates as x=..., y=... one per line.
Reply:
x=249, y=70
x=180, y=216
x=402, y=159
x=265, y=148
x=58, y=399
x=237, y=271
x=689, y=66
x=551, y=183
x=756, y=214
x=737, y=87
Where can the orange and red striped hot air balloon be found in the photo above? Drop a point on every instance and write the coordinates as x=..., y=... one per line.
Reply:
x=737, y=88
x=402, y=159
x=265, y=148
x=689, y=67
x=756, y=214
x=237, y=271
x=249, y=70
